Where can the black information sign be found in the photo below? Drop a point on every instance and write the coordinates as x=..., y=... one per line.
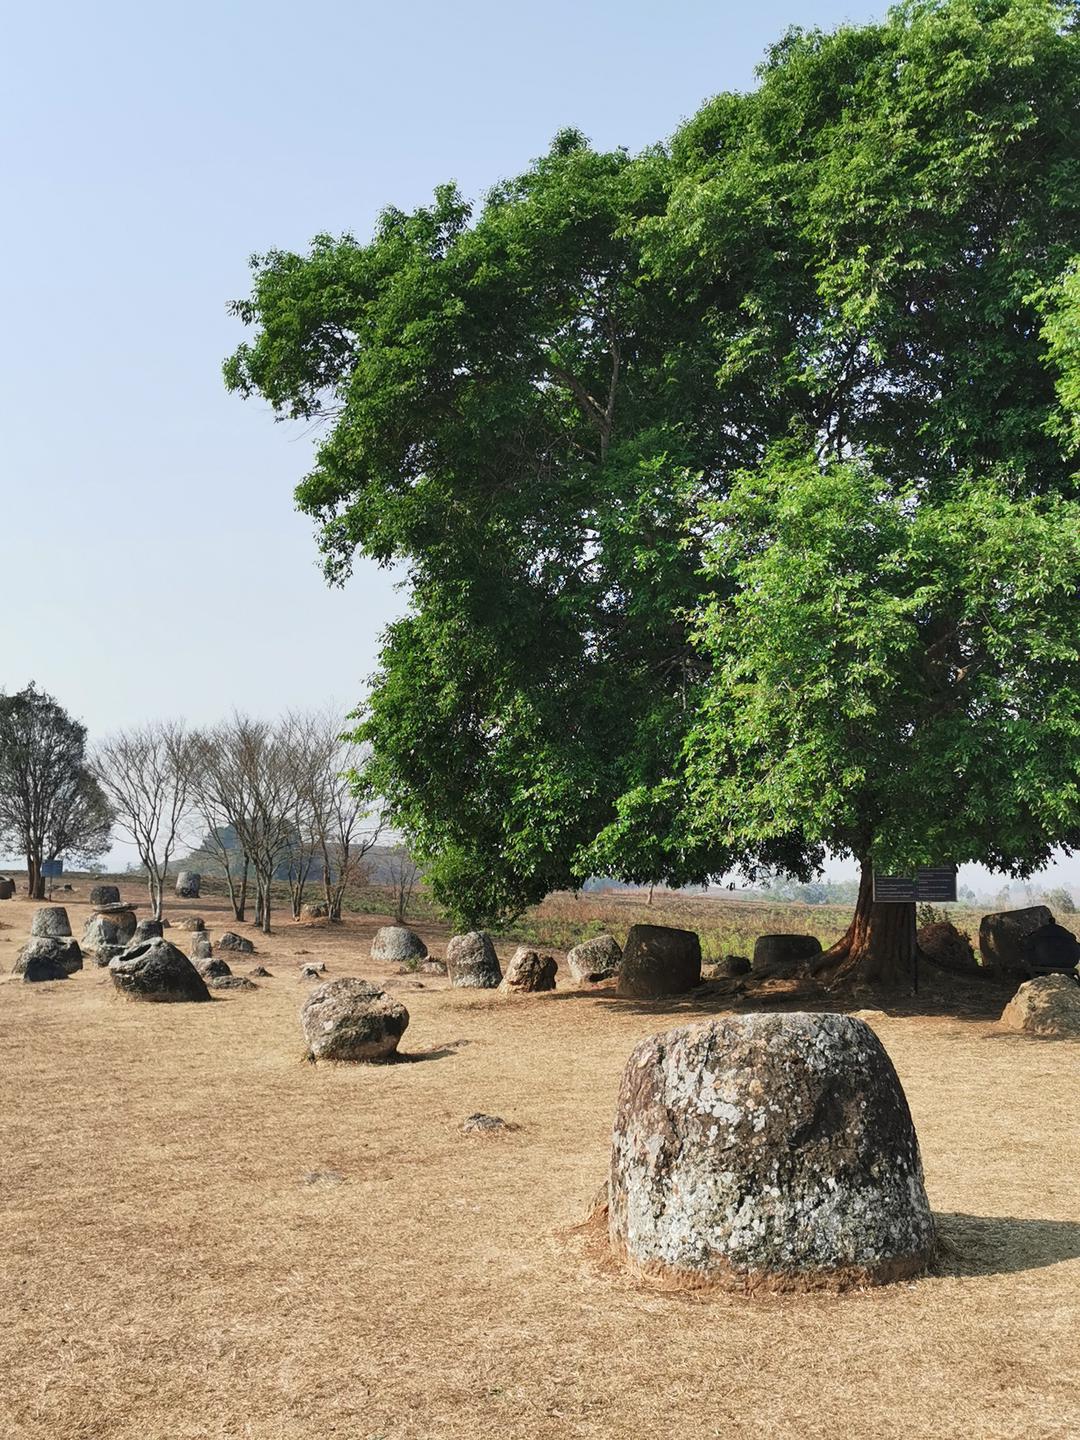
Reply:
x=893, y=889
x=937, y=882
x=933, y=882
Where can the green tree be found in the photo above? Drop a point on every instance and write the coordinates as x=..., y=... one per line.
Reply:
x=50, y=804
x=511, y=398
x=902, y=201
x=893, y=676
x=536, y=408
x=1061, y=332
x=888, y=208
x=82, y=822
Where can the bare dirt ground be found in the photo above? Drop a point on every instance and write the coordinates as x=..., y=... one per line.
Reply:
x=204, y=1238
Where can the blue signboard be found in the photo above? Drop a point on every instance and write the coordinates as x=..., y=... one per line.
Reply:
x=50, y=869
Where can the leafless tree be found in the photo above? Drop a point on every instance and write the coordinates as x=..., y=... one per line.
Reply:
x=213, y=796
x=403, y=873
x=145, y=773
x=304, y=743
x=345, y=822
x=254, y=774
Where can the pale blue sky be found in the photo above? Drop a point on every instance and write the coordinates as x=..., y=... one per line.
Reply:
x=147, y=532
x=151, y=561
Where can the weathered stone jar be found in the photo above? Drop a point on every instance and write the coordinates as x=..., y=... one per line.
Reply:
x=658, y=961
x=529, y=972
x=50, y=920
x=352, y=1020
x=397, y=944
x=471, y=961
x=57, y=950
x=595, y=959
x=157, y=971
x=767, y=1151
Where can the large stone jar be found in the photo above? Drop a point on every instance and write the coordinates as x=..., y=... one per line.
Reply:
x=767, y=1151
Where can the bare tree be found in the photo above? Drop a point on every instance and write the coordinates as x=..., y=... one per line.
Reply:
x=403, y=873
x=215, y=794
x=303, y=741
x=345, y=823
x=145, y=772
x=253, y=765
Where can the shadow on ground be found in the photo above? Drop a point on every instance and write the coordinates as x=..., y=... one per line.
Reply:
x=437, y=1052
x=983, y=1001
x=1002, y=1245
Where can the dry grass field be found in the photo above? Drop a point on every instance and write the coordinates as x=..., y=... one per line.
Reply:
x=205, y=1238
x=727, y=925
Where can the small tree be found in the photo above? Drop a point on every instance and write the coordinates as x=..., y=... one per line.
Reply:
x=305, y=751
x=345, y=824
x=146, y=774
x=49, y=804
x=219, y=850
x=216, y=791
x=1060, y=900
x=403, y=873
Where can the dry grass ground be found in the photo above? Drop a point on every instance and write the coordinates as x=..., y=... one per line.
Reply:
x=204, y=1237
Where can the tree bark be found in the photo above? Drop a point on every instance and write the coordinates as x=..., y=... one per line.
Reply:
x=265, y=883
x=155, y=883
x=230, y=886
x=879, y=947
x=239, y=901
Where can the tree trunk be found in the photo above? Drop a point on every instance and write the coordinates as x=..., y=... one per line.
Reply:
x=297, y=890
x=335, y=893
x=333, y=889
x=230, y=885
x=239, y=901
x=156, y=885
x=35, y=881
x=264, y=885
x=879, y=947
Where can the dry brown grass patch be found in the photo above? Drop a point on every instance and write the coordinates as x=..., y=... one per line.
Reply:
x=169, y=1274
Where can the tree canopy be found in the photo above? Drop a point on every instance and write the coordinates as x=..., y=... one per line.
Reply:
x=664, y=442
x=50, y=804
x=897, y=679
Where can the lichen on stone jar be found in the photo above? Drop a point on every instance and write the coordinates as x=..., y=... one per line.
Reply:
x=772, y=1150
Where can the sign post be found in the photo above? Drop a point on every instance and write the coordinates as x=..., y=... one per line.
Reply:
x=52, y=870
x=931, y=882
